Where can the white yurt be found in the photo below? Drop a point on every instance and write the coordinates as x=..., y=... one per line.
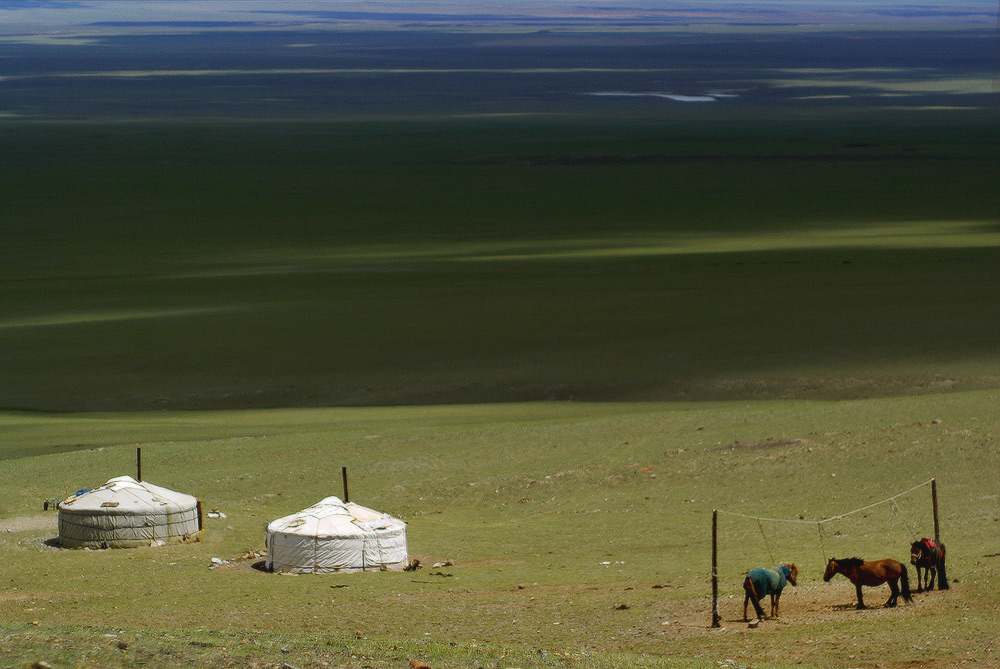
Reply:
x=125, y=513
x=334, y=536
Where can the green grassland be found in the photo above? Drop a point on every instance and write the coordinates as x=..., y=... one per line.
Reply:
x=555, y=515
x=553, y=345
x=156, y=265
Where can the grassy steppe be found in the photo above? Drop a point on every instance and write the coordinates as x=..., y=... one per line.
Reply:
x=165, y=265
x=589, y=507
x=256, y=304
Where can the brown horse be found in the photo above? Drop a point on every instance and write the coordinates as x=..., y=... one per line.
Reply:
x=872, y=574
x=929, y=556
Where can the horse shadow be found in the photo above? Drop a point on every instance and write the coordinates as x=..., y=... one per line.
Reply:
x=737, y=620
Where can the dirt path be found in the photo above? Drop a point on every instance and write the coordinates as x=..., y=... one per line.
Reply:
x=41, y=521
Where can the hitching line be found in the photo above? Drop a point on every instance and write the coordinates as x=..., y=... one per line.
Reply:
x=824, y=520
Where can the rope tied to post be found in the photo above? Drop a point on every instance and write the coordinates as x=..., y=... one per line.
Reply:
x=806, y=521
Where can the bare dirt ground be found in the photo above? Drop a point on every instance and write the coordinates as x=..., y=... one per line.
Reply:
x=818, y=603
x=819, y=624
x=41, y=521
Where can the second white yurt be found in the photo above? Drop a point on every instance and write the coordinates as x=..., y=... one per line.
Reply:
x=334, y=536
x=125, y=513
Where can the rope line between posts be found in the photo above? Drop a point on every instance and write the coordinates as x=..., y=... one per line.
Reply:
x=803, y=521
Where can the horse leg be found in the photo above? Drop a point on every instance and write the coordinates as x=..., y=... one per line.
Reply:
x=931, y=573
x=754, y=599
x=893, y=592
x=861, y=602
x=920, y=583
x=775, y=600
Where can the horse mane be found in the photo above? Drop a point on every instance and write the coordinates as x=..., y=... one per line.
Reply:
x=851, y=562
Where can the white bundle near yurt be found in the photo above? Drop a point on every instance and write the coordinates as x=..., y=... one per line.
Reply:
x=335, y=536
x=125, y=513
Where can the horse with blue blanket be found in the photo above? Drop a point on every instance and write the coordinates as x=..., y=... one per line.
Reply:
x=760, y=582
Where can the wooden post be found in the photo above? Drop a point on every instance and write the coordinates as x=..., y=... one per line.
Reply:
x=347, y=497
x=138, y=463
x=715, y=570
x=937, y=527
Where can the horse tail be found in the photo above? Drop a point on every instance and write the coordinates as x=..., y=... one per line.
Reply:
x=942, y=576
x=905, y=584
x=752, y=594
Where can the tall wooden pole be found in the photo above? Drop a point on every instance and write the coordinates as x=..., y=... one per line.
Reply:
x=138, y=463
x=937, y=526
x=347, y=497
x=715, y=570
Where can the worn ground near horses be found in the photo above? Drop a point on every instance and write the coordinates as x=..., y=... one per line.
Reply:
x=828, y=603
x=824, y=621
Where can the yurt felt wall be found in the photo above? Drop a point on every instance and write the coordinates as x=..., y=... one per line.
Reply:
x=125, y=513
x=334, y=536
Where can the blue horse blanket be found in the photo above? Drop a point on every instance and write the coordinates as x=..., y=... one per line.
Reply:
x=768, y=581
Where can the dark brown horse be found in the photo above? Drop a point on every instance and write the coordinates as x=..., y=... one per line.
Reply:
x=929, y=556
x=872, y=574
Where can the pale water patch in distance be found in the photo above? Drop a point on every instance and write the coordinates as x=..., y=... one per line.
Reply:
x=708, y=97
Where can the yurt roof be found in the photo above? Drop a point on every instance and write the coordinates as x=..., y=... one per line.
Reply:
x=123, y=494
x=333, y=518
